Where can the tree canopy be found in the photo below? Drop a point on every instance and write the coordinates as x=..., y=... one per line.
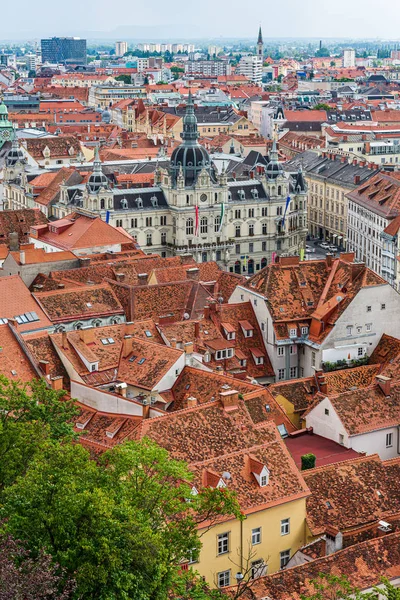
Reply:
x=119, y=524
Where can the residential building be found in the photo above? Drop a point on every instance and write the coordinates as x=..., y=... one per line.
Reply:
x=373, y=225
x=251, y=68
x=349, y=58
x=208, y=67
x=365, y=420
x=330, y=177
x=64, y=50
x=319, y=311
x=103, y=96
x=121, y=48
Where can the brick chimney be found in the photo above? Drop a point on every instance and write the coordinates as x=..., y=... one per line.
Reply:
x=64, y=341
x=142, y=278
x=173, y=342
x=196, y=330
x=45, y=366
x=119, y=276
x=186, y=259
x=229, y=399
x=84, y=262
x=57, y=383
x=188, y=347
x=384, y=383
x=87, y=335
x=146, y=409
x=356, y=179
x=323, y=386
x=190, y=402
x=193, y=273
x=328, y=260
x=22, y=257
x=127, y=346
x=13, y=241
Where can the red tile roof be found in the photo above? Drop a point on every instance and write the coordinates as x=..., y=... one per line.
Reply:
x=16, y=299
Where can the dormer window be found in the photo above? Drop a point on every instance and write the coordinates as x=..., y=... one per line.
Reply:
x=241, y=194
x=264, y=480
x=221, y=483
x=304, y=331
x=154, y=201
x=260, y=472
x=247, y=328
x=293, y=333
x=139, y=202
x=225, y=353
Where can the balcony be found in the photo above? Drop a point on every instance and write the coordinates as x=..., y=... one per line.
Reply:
x=183, y=249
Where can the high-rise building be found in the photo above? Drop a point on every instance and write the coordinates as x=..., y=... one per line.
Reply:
x=121, y=48
x=64, y=50
x=349, y=58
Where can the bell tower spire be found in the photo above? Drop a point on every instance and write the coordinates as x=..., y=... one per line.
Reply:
x=260, y=44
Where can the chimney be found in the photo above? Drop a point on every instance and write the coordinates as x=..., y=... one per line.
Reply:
x=142, y=278
x=13, y=241
x=384, y=383
x=22, y=257
x=45, y=366
x=84, y=262
x=251, y=174
x=121, y=389
x=323, y=386
x=119, y=276
x=186, y=259
x=64, y=341
x=127, y=346
x=173, y=342
x=188, y=347
x=206, y=312
x=146, y=409
x=193, y=273
x=356, y=179
x=328, y=259
x=190, y=402
x=87, y=335
x=57, y=383
x=229, y=399
x=196, y=330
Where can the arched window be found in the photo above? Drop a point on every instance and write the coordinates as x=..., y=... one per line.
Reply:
x=78, y=325
x=279, y=190
x=96, y=323
x=189, y=226
x=203, y=225
x=263, y=262
x=217, y=223
x=115, y=320
x=59, y=329
x=174, y=225
x=102, y=204
x=187, y=199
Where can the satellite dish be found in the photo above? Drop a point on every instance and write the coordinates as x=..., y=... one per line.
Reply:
x=339, y=298
x=226, y=475
x=186, y=316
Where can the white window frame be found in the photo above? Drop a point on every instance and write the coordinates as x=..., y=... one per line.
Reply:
x=256, y=536
x=285, y=526
x=222, y=543
x=284, y=557
x=224, y=578
x=389, y=440
x=281, y=351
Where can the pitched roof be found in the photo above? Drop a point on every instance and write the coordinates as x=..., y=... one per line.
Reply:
x=79, y=303
x=14, y=363
x=16, y=300
x=63, y=146
x=380, y=193
x=345, y=495
x=364, y=564
x=78, y=231
x=19, y=221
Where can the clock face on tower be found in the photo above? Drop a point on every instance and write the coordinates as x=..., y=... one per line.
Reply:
x=203, y=197
x=6, y=134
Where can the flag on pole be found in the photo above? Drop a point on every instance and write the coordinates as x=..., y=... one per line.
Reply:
x=301, y=253
x=286, y=207
x=273, y=257
x=196, y=228
x=108, y=216
x=221, y=217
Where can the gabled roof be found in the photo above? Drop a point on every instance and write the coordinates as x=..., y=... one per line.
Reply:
x=364, y=564
x=345, y=495
x=77, y=231
x=16, y=300
x=14, y=363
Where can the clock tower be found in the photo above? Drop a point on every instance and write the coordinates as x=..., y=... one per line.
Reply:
x=6, y=128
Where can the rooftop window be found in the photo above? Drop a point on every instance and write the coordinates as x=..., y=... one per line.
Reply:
x=107, y=341
x=28, y=317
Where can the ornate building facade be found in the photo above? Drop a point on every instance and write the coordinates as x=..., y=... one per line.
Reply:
x=241, y=223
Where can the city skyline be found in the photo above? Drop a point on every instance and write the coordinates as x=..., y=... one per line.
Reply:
x=355, y=20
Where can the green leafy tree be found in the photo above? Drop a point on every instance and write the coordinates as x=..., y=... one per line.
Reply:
x=125, y=78
x=322, y=106
x=120, y=526
x=30, y=415
x=308, y=461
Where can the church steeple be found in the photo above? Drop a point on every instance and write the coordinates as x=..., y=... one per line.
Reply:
x=190, y=132
x=260, y=44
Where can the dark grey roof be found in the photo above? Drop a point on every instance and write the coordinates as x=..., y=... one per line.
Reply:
x=139, y=199
x=242, y=191
x=326, y=168
x=206, y=114
x=128, y=169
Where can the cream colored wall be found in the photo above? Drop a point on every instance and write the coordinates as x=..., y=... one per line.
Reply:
x=272, y=542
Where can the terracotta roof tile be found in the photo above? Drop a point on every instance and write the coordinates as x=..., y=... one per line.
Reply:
x=16, y=299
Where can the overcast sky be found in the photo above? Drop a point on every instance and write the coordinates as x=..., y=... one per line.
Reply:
x=189, y=19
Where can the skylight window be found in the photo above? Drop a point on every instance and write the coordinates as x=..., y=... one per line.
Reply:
x=3, y=321
x=28, y=317
x=89, y=304
x=148, y=333
x=282, y=430
x=141, y=361
x=132, y=359
x=107, y=341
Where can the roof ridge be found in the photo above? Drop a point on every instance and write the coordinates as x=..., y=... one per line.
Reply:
x=370, y=457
